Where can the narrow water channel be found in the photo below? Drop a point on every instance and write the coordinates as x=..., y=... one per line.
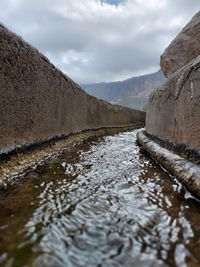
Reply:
x=104, y=203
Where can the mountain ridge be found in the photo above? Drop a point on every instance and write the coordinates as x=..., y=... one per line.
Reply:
x=132, y=92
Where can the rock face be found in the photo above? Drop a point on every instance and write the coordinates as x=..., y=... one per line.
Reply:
x=184, y=48
x=174, y=109
x=39, y=102
x=173, y=113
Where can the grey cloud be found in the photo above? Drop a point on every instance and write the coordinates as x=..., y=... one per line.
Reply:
x=91, y=42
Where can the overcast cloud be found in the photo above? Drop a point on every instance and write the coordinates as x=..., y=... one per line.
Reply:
x=99, y=40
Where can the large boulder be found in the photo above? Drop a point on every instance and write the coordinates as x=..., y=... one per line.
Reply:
x=184, y=48
x=39, y=102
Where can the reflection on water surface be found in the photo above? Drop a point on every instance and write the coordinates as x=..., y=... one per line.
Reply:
x=104, y=203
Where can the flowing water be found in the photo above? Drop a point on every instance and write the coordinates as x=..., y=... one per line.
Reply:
x=104, y=203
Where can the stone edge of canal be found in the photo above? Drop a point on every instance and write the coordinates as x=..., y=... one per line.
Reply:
x=186, y=172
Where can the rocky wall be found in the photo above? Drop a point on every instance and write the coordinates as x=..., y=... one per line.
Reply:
x=184, y=48
x=174, y=109
x=39, y=102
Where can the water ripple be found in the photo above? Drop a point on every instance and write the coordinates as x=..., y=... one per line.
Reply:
x=112, y=206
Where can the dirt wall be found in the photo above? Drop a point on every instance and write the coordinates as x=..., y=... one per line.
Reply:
x=39, y=102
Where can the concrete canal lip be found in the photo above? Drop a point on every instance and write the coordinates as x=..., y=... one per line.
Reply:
x=187, y=172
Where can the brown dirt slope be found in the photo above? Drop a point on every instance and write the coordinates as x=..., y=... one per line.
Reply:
x=39, y=102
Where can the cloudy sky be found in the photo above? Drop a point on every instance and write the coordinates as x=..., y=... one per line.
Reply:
x=99, y=40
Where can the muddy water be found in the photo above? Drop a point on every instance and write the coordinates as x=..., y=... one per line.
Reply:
x=104, y=203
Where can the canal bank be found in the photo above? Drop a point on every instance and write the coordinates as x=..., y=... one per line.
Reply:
x=40, y=103
x=173, y=113
x=15, y=165
x=187, y=172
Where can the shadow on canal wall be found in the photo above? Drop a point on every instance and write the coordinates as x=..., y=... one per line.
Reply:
x=39, y=103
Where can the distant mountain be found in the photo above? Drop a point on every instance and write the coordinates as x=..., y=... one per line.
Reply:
x=132, y=93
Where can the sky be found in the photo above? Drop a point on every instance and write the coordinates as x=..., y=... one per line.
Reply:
x=99, y=40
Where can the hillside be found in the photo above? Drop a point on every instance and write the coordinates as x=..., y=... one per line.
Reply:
x=133, y=92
